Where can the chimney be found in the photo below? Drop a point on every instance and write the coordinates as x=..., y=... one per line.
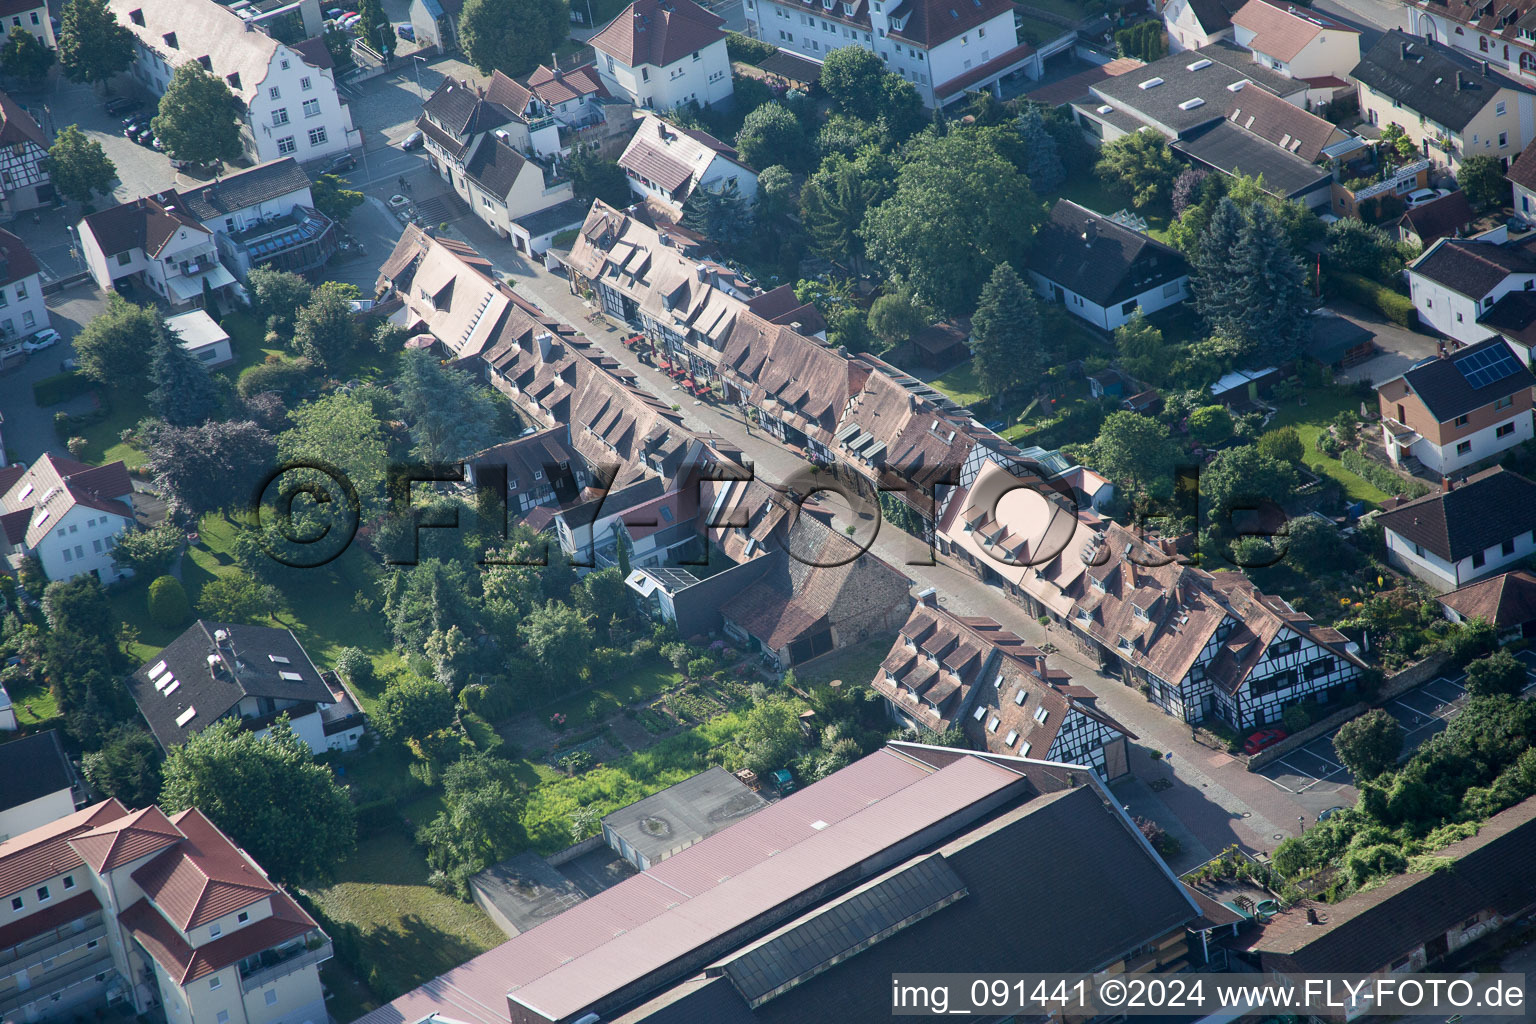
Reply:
x=702, y=272
x=1402, y=50
x=661, y=130
x=1312, y=916
x=1445, y=483
x=929, y=597
x=1090, y=233
x=1485, y=69
x=546, y=342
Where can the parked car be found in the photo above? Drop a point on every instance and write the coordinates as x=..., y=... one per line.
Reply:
x=133, y=125
x=406, y=32
x=1330, y=812
x=1425, y=195
x=351, y=19
x=45, y=338
x=120, y=105
x=415, y=140
x=1518, y=224
x=333, y=12
x=341, y=165
x=143, y=135
x=1263, y=739
x=398, y=202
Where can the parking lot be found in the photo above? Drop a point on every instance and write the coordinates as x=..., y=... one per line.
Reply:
x=1421, y=713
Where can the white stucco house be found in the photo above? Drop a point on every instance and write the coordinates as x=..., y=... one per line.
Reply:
x=161, y=246
x=667, y=163
x=22, y=309
x=261, y=216
x=1475, y=529
x=292, y=107
x=67, y=515
x=1192, y=24
x=662, y=54
x=30, y=15
x=1299, y=43
x=1457, y=280
x=1101, y=270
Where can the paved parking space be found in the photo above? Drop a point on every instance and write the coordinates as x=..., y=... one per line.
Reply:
x=1421, y=713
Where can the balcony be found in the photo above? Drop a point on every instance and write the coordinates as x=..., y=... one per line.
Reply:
x=540, y=124
x=44, y=988
x=273, y=964
x=57, y=940
x=299, y=240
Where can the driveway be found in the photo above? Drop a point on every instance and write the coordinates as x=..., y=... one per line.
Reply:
x=1399, y=348
x=29, y=429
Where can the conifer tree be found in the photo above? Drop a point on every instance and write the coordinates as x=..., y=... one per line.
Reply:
x=1005, y=333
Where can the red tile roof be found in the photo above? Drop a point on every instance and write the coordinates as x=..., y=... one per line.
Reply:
x=18, y=126
x=185, y=963
x=658, y=32
x=57, y=915
x=41, y=854
x=16, y=260
x=203, y=878
x=1282, y=32
x=127, y=839
x=969, y=78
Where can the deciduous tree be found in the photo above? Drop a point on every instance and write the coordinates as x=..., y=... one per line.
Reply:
x=24, y=56
x=560, y=637
x=332, y=198
x=149, y=552
x=1483, y=181
x=237, y=597
x=127, y=766
x=376, y=30
x=209, y=467
x=112, y=346
x=449, y=413
x=595, y=178
x=277, y=295
x=341, y=431
x=772, y=135
x=1369, y=745
x=326, y=331
x=1497, y=673
x=266, y=793
x=835, y=200
x=199, y=118
x=511, y=36
x=1141, y=163
x=92, y=45
x=894, y=318
x=413, y=707
x=1138, y=450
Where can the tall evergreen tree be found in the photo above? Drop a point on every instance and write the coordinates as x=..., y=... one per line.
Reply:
x=375, y=28
x=1271, y=289
x=1211, y=264
x=184, y=394
x=1042, y=161
x=835, y=199
x=720, y=215
x=1006, y=333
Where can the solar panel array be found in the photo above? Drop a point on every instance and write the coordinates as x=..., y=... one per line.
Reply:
x=1490, y=365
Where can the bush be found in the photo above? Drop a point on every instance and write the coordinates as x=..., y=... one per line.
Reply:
x=494, y=701
x=356, y=668
x=1295, y=718
x=480, y=732
x=1395, y=306
x=168, y=605
x=61, y=387
x=286, y=377
x=747, y=50
x=1381, y=476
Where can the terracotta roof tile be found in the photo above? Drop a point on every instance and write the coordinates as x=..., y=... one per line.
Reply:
x=1282, y=33
x=44, y=852
x=202, y=878
x=1504, y=601
x=185, y=963
x=126, y=839
x=658, y=32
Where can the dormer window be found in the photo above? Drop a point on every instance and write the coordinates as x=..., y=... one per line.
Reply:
x=233, y=78
x=1099, y=583
x=1123, y=643
x=1140, y=612
x=170, y=40
x=137, y=17
x=206, y=62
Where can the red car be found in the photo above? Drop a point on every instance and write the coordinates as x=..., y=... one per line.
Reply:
x=1263, y=738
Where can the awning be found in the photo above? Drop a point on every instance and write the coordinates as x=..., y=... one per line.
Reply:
x=420, y=341
x=665, y=364
x=632, y=341
x=186, y=289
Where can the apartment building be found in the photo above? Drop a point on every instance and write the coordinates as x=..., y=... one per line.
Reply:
x=1502, y=34
x=942, y=47
x=660, y=54
x=288, y=92
x=153, y=913
x=1461, y=408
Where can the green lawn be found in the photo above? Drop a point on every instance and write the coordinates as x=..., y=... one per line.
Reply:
x=1091, y=191
x=411, y=932
x=103, y=440
x=961, y=385
x=1311, y=421
x=39, y=698
x=857, y=664
x=609, y=697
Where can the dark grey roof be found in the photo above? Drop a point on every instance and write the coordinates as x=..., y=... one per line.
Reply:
x=701, y=1000
x=1490, y=508
x=1333, y=337
x=1099, y=259
x=1060, y=883
x=1205, y=75
x=1471, y=267
x=682, y=814
x=1513, y=316
x=1456, y=385
x=462, y=110
x=1440, y=217
x=244, y=188
x=1215, y=15
x=554, y=219
x=33, y=767
x=494, y=166
x=1229, y=148
x=1446, y=86
x=813, y=944
x=526, y=890
x=186, y=681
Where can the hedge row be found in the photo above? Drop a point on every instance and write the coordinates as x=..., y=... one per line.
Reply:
x=746, y=50
x=1393, y=305
x=1381, y=476
x=61, y=387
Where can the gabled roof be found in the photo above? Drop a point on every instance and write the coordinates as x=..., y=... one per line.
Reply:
x=1105, y=262
x=1371, y=929
x=52, y=486
x=1523, y=171
x=44, y=852
x=16, y=260
x=1455, y=385
x=1227, y=147
x=554, y=87
x=1282, y=33
x=32, y=767
x=670, y=156
x=1506, y=600
x=539, y=453
x=201, y=28
x=1445, y=85
x=126, y=839
x=143, y=223
x=1491, y=507
x=186, y=963
x=240, y=190
x=17, y=127
x=931, y=22
x=1507, y=19
x=1438, y=218
x=1280, y=123
x=1214, y=15
x=1513, y=316
x=457, y=113
x=202, y=878
x=494, y=166
x=1471, y=267
x=658, y=32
